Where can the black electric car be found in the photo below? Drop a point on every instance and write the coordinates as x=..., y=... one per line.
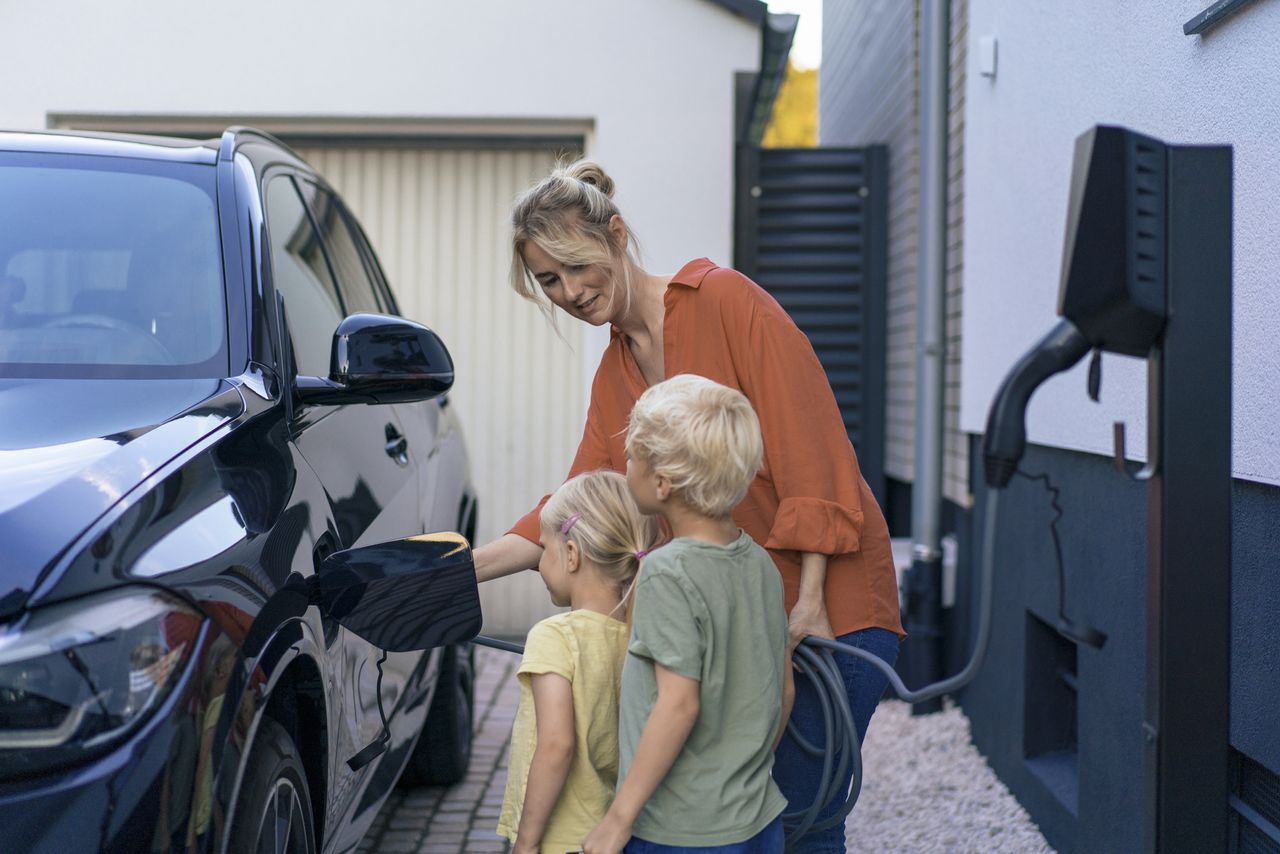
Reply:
x=227, y=619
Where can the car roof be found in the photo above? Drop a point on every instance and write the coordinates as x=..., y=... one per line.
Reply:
x=112, y=145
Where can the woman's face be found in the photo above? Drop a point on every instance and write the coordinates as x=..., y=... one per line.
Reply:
x=585, y=292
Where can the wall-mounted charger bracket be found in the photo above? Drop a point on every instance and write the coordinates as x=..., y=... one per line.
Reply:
x=1120, y=458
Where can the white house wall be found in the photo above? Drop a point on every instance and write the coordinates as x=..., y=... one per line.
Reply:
x=1063, y=67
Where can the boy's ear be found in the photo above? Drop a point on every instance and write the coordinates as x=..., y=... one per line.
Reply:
x=662, y=486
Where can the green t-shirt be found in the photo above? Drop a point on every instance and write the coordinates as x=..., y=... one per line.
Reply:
x=714, y=614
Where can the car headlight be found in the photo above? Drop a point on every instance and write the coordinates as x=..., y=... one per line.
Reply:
x=76, y=676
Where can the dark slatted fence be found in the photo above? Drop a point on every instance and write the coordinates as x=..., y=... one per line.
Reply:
x=811, y=228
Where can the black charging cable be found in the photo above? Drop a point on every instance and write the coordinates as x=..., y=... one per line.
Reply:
x=1072, y=629
x=379, y=745
x=494, y=643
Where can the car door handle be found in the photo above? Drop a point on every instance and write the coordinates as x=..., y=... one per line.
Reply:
x=397, y=446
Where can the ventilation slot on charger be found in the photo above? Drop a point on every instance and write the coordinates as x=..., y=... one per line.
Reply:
x=1147, y=241
x=1255, y=805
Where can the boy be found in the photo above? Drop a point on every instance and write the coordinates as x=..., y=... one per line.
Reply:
x=705, y=687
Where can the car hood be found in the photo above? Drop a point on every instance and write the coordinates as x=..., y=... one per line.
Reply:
x=71, y=449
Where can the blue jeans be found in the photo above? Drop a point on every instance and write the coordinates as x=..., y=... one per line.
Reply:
x=767, y=841
x=797, y=773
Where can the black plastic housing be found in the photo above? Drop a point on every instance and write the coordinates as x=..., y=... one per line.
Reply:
x=1113, y=267
x=377, y=358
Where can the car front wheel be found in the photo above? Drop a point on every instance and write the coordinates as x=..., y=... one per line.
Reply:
x=443, y=752
x=273, y=813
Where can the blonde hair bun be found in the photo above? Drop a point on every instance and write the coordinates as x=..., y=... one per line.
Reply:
x=589, y=172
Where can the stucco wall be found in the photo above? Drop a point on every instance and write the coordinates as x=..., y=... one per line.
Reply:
x=1062, y=69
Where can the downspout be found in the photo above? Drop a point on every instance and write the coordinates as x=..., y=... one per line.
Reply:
x=924, y=584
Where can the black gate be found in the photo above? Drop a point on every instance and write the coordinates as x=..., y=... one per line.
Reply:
x=811, y=228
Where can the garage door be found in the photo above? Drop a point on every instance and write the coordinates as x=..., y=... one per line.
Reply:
x=438, y=219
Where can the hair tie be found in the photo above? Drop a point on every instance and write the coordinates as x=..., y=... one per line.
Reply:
x=640, y=554
x=568, y=523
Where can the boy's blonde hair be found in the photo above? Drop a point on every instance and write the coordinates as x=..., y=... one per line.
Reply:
x=607, y=526
x=702, y=435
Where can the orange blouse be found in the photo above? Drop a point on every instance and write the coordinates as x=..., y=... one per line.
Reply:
x=809, y=496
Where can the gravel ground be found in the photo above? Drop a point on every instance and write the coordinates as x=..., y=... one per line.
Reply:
x=926, y=789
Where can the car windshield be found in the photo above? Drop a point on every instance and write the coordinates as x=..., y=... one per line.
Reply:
x=109, y=267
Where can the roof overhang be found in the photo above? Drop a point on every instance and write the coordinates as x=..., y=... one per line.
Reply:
x=753, y=10
x=777, y=32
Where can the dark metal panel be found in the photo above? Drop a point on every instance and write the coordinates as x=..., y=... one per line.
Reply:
x=875, y=344
x=1189, y=518
x=811, y=228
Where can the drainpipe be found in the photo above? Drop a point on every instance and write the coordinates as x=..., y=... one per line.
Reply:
x=924, y=583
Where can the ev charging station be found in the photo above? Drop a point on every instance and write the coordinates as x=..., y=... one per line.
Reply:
x=1147, y=273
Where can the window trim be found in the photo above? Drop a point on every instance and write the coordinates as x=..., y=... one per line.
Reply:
x=363, y=249
x=381, y=286
x=291, y=175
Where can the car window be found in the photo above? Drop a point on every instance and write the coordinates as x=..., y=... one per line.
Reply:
x=385, y=298
x=110, y=267
x=353, y=276
x=302, y=276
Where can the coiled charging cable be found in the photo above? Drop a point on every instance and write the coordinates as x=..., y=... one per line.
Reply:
x=842, y=749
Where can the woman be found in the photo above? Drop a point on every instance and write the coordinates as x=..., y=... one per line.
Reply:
x=809, y=505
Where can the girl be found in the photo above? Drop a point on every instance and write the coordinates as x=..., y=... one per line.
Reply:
x=564, y=743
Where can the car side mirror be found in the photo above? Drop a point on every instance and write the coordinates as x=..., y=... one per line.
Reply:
x=381, y=359
x=404, y=595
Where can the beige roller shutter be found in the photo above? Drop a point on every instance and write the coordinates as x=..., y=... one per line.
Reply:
x=438, y=219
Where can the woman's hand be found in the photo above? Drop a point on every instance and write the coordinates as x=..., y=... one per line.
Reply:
x=608, y=837
x=504, y=556
x=521, y=847
x=809, y=616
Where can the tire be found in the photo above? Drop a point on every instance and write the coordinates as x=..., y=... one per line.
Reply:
x=274, y=797
x=443, y=752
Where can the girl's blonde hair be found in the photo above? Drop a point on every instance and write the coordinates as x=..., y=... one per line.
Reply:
x=602, y=519
x=702, y=435
x=568, y=215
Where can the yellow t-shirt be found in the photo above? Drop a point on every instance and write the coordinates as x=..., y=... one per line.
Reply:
x=588, y=649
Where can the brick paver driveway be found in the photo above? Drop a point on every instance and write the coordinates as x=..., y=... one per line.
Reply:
x=459, y=819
